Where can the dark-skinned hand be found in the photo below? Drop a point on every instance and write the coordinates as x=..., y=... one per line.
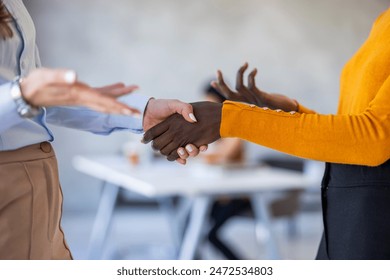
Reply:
x=251, y=94
x=176, y=132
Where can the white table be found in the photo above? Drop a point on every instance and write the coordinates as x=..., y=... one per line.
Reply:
x=198, y=183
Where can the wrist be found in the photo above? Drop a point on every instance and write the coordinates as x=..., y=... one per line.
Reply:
x=146, y=117
x=24, y=109
x=296, y=109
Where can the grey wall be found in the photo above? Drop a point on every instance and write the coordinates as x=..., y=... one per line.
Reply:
x=171, y=47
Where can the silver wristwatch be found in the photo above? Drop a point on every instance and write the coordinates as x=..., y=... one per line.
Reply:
x=24, y=109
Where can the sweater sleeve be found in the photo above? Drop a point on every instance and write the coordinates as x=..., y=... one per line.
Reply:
x=362, y=139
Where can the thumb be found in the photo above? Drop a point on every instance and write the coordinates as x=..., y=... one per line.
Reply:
x=184, y=109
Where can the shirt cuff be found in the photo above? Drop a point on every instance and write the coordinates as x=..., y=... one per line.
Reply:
x=134, y=100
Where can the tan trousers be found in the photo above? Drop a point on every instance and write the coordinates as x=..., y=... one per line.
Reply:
x=31, y=205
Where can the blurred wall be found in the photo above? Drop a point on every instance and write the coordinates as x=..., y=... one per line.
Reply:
x=171, y=47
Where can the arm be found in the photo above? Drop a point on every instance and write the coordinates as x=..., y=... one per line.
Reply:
x=49, y=87
x=99, y=123
x=360, y=139
x=350, y=139
x=153, y=111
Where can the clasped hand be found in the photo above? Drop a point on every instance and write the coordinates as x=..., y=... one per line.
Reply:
x=170, y=136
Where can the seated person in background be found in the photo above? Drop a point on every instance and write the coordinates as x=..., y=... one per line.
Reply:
x=224, y=151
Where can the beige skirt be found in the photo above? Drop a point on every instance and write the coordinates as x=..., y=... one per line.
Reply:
x=31, y=205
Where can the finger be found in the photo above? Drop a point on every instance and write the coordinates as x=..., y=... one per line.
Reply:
x=183, y=109
x=259, y=96
x=223, y=88
x=203, y=148
x=162, y=141
x=251, y=79
x=155, y=132
x=110, y=87
x=182, y=153
x=117, y=90
x=81, y=95
x=181, y=161
x=168, y=149
x=88, y=97
x=122, y=91
x=173, y=156
x=240, y=75
x=216, y=85
x=192, y=150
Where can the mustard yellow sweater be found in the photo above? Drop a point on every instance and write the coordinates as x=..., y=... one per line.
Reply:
x=358, y=134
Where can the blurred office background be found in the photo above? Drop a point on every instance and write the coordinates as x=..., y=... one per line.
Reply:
x=170, y=48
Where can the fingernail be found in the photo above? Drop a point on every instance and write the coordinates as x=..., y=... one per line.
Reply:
x=192, y=117
x=203, y=149
x=70, y=77
x=181, y=152
x=127, y=112
x=189, y=148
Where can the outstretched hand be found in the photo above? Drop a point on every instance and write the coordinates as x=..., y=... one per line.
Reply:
x=45, y=87
x=176, y=132
x=251, y=94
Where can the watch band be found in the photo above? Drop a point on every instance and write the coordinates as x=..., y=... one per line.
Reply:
x=24, y=109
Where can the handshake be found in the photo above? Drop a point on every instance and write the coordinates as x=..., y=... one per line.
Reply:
x=177, y=138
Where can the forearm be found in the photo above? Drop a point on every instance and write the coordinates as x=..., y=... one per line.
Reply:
x=361, y=139
x=99, y=123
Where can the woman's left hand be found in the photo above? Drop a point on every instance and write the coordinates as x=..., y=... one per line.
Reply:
x=251, y=94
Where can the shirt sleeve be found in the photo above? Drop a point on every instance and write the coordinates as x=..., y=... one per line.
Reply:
x=9, y=116
x=362, y=139
x=99, y=123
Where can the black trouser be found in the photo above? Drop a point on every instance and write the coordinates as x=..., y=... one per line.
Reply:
x=356, y=212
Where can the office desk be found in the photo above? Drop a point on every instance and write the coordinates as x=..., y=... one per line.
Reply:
x=198, y=183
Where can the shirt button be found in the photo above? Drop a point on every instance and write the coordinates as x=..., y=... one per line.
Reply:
x=45, y=147
x=265, y=108
x=278, y=110
x=292, y=112
x=252, y=106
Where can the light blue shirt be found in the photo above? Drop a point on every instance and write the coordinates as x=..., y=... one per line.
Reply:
x=18, y=56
